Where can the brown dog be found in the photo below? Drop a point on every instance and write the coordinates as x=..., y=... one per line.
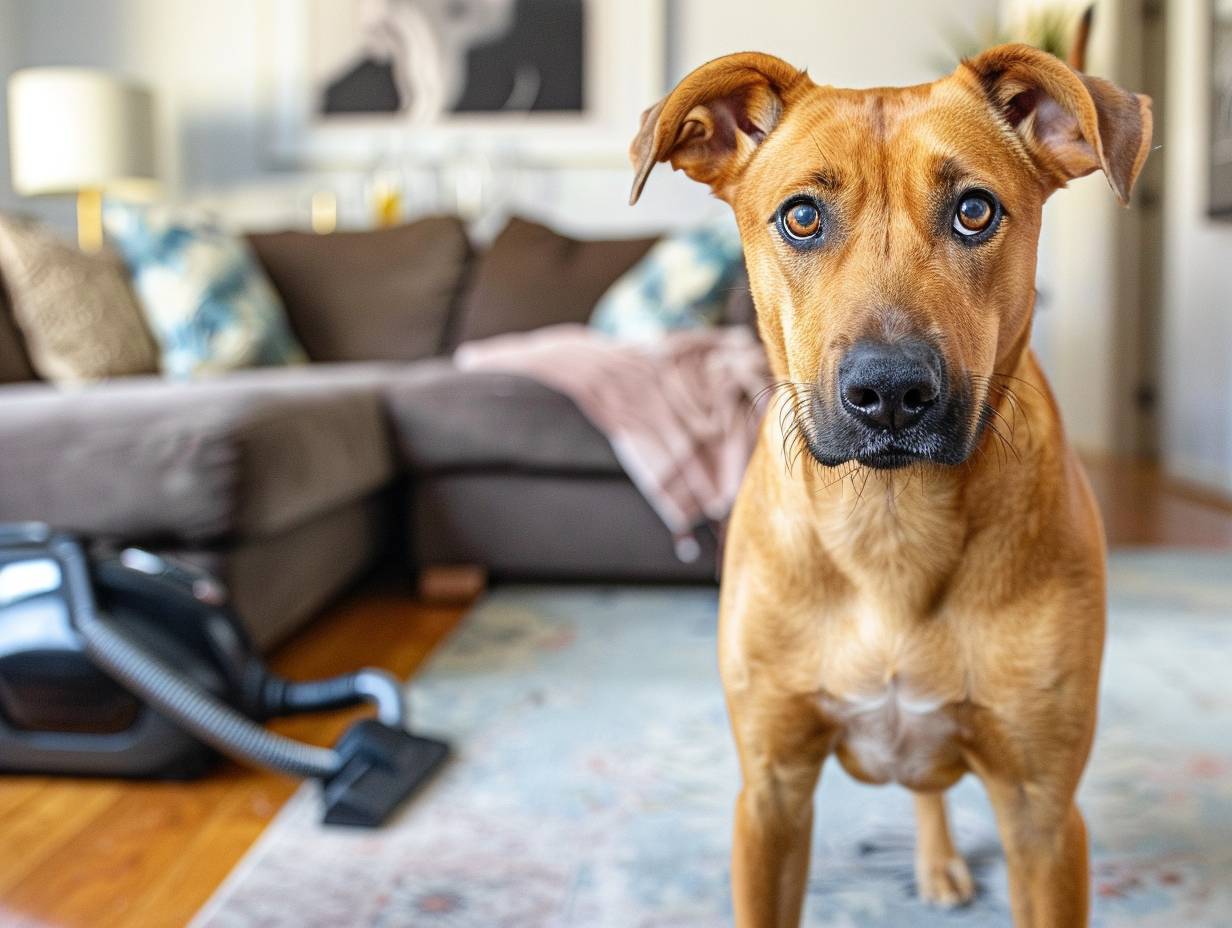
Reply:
x=925, y=597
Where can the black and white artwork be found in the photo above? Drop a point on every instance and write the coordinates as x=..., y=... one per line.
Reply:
x=429, y=60
x=1221, y=109
x=354, y=82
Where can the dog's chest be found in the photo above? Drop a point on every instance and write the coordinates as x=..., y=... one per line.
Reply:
x=895, y=736
x=894, y=695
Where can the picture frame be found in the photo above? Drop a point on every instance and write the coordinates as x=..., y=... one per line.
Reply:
x=623, y=70
x=1220, y=204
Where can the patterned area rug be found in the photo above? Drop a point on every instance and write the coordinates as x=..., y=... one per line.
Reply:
x=594, y=780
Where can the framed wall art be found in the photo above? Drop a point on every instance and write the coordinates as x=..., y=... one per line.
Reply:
x=546, y=80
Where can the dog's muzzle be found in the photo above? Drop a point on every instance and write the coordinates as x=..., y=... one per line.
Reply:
x=893, y=404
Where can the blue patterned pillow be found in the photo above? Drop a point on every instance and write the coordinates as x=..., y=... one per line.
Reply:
x=206, y=299
x=681, y=283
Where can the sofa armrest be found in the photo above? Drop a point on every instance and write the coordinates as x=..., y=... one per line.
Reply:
x=143, y=459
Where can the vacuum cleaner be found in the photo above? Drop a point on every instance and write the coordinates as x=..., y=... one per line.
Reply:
x=130, y=664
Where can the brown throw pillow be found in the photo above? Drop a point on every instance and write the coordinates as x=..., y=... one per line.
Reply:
x=14, y=365
x=533, y=276
x=76, y=311
x=384, y=295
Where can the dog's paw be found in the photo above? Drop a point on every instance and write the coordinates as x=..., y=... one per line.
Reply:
x=944, y=882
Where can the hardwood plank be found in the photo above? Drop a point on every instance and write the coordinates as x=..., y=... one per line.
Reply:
x=1142, y=506
x=48, y=817
x=17, y=790
x=113, y=859
x=212, y=851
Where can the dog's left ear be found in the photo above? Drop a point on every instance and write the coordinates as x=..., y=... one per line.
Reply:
x=1071, y=123
x=710, y=124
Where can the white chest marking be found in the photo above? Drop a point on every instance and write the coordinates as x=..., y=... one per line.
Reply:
x=903, y=702
x=893, y=735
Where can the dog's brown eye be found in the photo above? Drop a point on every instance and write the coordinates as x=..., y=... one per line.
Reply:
x=974, y=214
x=802, y=220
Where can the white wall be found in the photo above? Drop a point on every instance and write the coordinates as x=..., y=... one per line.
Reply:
x=1197, y=355
x=10, y=54
x=203, y=61
x=1084, y=245
x=207, y=63
x=867, y=43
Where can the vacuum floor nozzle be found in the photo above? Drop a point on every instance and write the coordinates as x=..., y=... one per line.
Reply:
x=380, y=768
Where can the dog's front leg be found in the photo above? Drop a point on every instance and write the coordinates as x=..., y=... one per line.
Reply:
x=782, y=749
x=1045, y=843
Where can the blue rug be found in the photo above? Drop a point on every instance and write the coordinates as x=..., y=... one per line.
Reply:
x=594, y=781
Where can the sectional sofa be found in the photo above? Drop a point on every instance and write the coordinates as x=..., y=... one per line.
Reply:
x=289, y=483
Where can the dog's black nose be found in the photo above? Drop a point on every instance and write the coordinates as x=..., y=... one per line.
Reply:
x=889, y=386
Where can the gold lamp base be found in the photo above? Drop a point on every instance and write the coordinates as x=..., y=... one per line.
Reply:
x=90, y=220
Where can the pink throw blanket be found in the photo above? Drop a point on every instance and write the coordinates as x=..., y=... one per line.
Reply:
x=678, y=412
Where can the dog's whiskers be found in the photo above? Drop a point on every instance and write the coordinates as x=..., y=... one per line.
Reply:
x=1007, y=446
x=1016, y=405
x=868, y=472
x=844, y=471
x=792, y=423
x=1020, y=380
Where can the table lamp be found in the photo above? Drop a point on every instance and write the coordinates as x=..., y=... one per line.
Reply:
x=81, y=131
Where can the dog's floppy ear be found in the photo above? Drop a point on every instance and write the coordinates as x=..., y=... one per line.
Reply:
x=1071, y=124
x=709, y=125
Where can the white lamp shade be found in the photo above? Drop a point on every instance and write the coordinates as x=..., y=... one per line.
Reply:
x=73, y=129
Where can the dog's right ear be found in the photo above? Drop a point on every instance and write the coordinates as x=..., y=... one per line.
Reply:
x=710, y=124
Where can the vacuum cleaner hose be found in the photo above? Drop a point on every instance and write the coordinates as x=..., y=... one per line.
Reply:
x=205, y=716
x=202, y=714
x=383, y=689
x=374, y=766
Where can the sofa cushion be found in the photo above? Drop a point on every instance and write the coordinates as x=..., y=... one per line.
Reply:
x=533, y=276
x=14, y=365
x=539, y=527
x=249, y=455
x=681, y=283
x=368, y=296
x=76, y=311
x=445, y=420
x=209, y=303
x=278, y=582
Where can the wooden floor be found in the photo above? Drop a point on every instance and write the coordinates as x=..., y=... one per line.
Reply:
x=102, y=853
x=1141, y=507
